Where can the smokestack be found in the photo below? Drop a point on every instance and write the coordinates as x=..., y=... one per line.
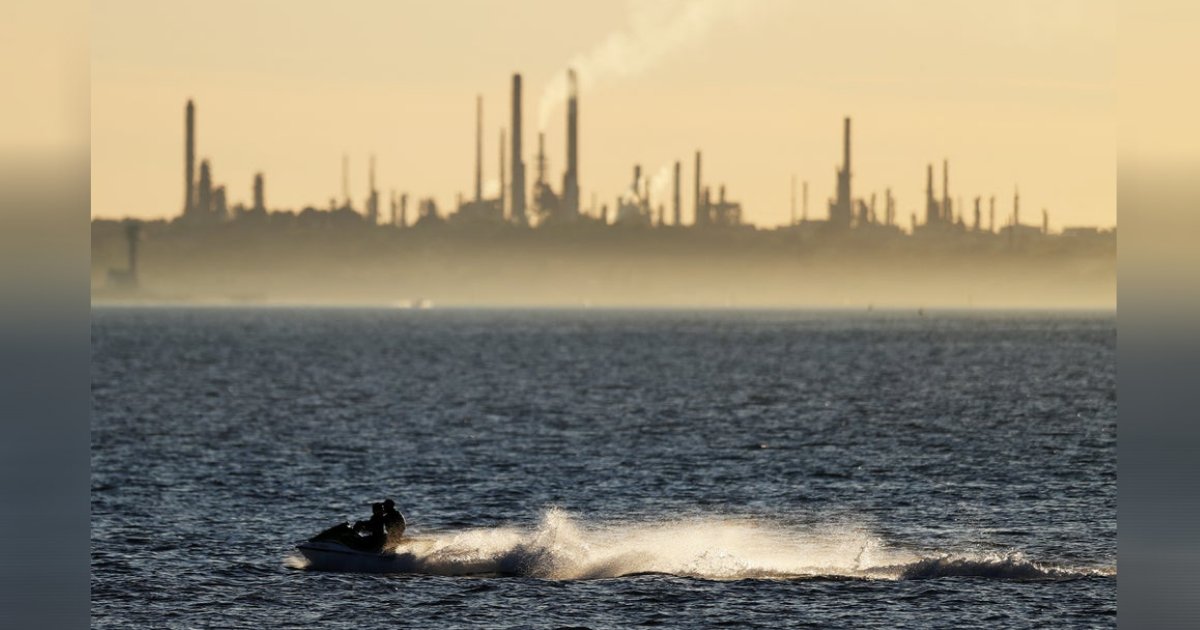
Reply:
x=1016, y=206
x=403, y=209
x=571, y=177
x=218, y=201
x=804, y=201
x=346, y=179
x=502, y=172
x=700, y=208
x=189, y=159
x=978, y=215
x=846, y=148
x=992, y=213
x=258, y=192
x=479, y=147
x=946, y=209
x=842, y=212
x=676, y=207
x=204, y=195
x=518, y=167
x=372, y=194
x=931, y=211
x=1045, y=222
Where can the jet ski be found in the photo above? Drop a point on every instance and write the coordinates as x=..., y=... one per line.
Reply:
x=341, y=549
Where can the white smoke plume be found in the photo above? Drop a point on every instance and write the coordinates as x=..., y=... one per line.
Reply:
x=660, y=184
x=656, y=31
x=491, y=187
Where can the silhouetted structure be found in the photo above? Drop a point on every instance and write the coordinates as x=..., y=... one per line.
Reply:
x=503, y=184
x=260, y=205
x=724, y=213
x=346, y=182
x=189, y=160
x=676, y=207
x=372, y=195
x=841, y=208
x=127, y=278
x=204, y=195
x=518, y=165
x=570, y=192
x=205, y=200
x=545, y=201
x=633, y=209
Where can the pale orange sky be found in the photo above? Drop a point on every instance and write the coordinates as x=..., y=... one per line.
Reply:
x=1013, y=93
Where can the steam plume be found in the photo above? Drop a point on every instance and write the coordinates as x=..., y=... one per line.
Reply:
x=656, y=31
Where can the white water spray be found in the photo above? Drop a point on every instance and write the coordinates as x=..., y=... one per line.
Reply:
x=561, y=547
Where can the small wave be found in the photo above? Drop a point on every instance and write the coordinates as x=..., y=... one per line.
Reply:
x=560, y=547
x=1013, y=566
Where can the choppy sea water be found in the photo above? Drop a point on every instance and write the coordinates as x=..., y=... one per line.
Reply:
x=607, y=469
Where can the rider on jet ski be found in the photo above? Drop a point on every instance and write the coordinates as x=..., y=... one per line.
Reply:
x=374, y=528
x=383, y=530
x=393, y=522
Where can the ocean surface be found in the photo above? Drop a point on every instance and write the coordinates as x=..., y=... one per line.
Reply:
x=595, y=469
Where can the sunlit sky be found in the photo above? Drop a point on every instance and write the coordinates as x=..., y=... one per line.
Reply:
x=1013, y=93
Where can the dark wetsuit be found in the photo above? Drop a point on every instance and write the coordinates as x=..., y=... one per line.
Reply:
x=394, y=522
x=376, y=535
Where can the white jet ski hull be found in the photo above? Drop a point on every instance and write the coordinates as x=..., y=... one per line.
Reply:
x=332, y=556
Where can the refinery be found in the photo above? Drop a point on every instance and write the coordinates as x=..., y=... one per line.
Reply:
x=637, y=222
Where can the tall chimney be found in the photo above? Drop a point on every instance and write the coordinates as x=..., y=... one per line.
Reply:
x=1016, y=206
x=518, y=167
x=204, y=195
x=259, y=204
x=571, y=177
x=503, y=174
x=372, y=195
x=931, y=210
x=189, y=159
x=804, y=201
x=842, y=212
x=700, y=208
x=676, y=207
x=479, y=148
x=992, y=213
x=946, y=209
x=346, y=179
x=846, y=147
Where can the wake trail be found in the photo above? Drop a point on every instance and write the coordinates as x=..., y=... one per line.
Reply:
x=560, y=547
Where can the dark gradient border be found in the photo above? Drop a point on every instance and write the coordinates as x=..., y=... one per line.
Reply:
x=44, y=319
x=1158, y=356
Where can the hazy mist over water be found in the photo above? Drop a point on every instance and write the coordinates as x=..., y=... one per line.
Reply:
x=612, y=267
x=607, y=468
